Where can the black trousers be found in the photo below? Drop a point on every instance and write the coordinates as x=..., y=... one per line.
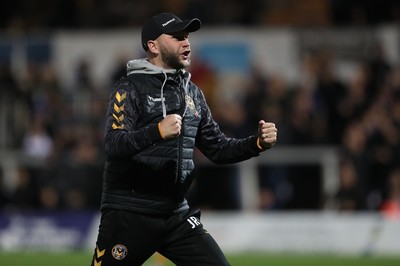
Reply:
x=129, y=238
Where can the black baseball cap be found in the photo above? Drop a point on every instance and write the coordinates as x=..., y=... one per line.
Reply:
x=166, y=23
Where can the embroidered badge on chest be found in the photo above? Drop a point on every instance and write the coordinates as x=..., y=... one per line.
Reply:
x=190, y=103
x=119, y=252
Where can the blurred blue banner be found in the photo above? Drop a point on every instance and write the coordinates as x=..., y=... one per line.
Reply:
x=38, y=230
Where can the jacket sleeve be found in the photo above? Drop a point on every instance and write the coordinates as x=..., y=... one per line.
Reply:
x=219, y=148
x=123, y=137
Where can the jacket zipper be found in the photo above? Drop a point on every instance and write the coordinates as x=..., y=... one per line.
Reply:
x=180, y=140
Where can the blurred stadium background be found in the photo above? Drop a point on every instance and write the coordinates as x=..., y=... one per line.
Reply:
x=327, y=72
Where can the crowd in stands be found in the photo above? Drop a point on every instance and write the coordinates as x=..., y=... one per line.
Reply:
x=360, y=116
x=23, y=16
x=64, y=126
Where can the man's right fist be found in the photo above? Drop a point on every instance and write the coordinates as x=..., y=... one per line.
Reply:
x=170, y=126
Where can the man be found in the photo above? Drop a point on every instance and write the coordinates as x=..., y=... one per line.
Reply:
x=156, y=116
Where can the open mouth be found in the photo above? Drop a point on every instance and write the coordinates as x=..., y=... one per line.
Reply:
x=186, y=54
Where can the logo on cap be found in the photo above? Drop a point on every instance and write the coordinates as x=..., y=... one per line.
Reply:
x=169, y=21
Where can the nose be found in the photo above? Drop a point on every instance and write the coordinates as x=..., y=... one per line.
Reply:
x=186, y=42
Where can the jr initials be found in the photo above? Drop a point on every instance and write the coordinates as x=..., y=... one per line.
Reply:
x=193, y=221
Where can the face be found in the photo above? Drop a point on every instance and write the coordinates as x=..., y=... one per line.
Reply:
x=174, y=50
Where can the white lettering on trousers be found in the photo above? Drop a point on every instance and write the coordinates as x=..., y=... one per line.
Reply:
x=193, y=221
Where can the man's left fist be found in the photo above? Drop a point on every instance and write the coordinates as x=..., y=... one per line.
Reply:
x=267, y=134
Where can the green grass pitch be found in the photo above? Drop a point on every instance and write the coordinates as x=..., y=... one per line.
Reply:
x=248, y=259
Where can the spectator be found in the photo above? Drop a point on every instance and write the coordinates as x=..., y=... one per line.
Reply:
x=4, y=197
x=391, y=205
x=349, y=196
x=37, y=142
x=25, y=195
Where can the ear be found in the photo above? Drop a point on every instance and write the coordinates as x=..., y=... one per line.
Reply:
x=153, y=47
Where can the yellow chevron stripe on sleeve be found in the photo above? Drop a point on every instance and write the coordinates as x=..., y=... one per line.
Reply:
x=120, y=97
x=114, y=126
x=119, y=119
x=119, y=109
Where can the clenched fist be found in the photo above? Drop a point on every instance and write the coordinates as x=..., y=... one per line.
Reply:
x=170, y=126
x=267, y=134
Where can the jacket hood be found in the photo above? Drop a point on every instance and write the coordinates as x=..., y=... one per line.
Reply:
x=142, y=66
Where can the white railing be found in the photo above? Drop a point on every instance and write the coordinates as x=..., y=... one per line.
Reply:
x=326, y=157
x=11, y=160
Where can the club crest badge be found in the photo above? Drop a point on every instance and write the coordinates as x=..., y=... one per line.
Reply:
x=190, y=103
x=119, y=252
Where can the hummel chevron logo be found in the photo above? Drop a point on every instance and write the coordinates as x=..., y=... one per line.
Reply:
x=114, y=126
x=120, y=97
x=97, y=263
x=119, y=109
x=99, y=254
x=119, y=119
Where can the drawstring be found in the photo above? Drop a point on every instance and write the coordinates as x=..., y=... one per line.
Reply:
x=186, y=90
x=164, y=109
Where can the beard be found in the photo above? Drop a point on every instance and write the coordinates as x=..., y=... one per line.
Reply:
x=171, y=59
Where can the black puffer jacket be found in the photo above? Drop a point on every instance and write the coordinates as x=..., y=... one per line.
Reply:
x=143, y=172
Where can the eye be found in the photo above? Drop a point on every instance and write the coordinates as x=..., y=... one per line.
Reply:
x=180, y=36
